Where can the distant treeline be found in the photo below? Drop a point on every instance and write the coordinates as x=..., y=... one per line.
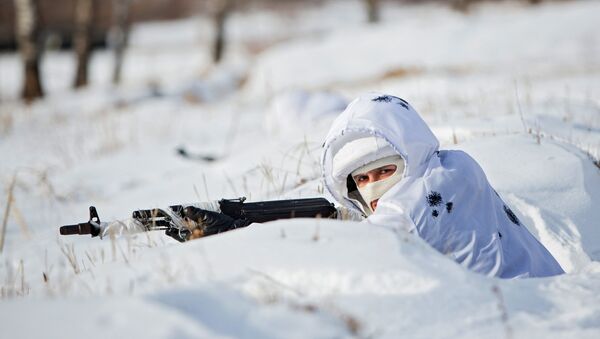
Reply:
x=57, y=24
x=56, y=18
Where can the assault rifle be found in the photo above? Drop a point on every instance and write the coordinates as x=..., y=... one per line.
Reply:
x=172, y=221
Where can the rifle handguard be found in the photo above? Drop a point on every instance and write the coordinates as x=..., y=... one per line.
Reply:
x=264, y=211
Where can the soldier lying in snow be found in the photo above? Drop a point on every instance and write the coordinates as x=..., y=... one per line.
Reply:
x=381, y=160
x=382, y=164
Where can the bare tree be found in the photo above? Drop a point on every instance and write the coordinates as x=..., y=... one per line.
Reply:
x=82, y=39
x=119, y=35
x=372, y=7
x=222, y=8
x=462, y=5
x=27, y=31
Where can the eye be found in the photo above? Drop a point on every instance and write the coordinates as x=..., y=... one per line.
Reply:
x=387, y=170
x=361, y=178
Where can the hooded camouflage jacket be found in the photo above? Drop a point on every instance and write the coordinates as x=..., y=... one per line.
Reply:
x=444, y=196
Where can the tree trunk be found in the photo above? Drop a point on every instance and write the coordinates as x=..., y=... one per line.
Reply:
x=462, y=5
x=27, y=30
x=372, y=10
x=223, y=7
x=82, y=39
x=119, y=35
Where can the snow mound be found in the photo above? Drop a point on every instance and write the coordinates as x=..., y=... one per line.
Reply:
x=297, y=113
x=554, y=188
x=312, y=278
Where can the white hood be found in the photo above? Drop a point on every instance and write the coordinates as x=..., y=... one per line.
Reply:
x=384, y=116
x=444, y=196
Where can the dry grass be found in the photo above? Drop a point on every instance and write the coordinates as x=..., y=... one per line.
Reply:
x=7, y=209
x=21, y=221
x=317, y=235
x=297, y=166
x=110, y=140
x=205, y=186
x=232, y=186
x=68, y=250
x=400, y=72
x=6, y=122
x=508, y=331
x=47, y=269
x=273, y=292
x=454, y=137
x=15, y=284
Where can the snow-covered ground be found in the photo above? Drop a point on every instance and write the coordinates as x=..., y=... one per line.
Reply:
x=517, y=87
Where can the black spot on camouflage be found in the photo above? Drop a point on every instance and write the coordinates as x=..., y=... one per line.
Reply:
x=402, y=102
x=434, y=198
x=449, y=206
x=499, y=234
x=403, y=105
x=388, y=98
x=511, y=216
x=435, y=213
x=382, y=98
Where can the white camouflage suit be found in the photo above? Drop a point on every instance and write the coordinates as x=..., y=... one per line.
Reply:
x=444, y=196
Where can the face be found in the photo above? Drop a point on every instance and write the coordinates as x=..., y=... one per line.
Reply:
x=380, y=173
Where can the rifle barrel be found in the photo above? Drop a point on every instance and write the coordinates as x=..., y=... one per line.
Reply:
x=83, y=228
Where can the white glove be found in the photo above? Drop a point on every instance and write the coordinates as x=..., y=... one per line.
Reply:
x=119, y=227
x=130, y=226
x=344, y=213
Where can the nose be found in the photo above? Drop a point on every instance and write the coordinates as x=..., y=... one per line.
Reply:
x=376, y=176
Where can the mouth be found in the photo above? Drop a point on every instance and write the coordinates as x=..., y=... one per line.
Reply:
x=374, y=204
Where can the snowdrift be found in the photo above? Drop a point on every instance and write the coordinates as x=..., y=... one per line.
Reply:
x=490, y=39
x=322, y=278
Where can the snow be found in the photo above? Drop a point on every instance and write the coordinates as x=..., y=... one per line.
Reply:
x=514, y=86
x=296, y=113
x=481, y=42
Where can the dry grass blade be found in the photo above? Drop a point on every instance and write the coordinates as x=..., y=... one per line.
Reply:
x=231, y=185
x=21, y=221
x=69, y=251
x=351, y=323
x=24, y=290
x=7, y=209
x=90, y=258
x=520, y=110
x=205, y=187
x=508, y=332
x=276, y=282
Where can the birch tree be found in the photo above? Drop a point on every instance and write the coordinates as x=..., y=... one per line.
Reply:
x=27, y=31
x=221, y=11
x=119, y=35
x=82, y=37
x=372, y=7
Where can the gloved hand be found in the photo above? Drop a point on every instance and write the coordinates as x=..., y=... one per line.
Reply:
x=179, y=235
x=203, y=223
